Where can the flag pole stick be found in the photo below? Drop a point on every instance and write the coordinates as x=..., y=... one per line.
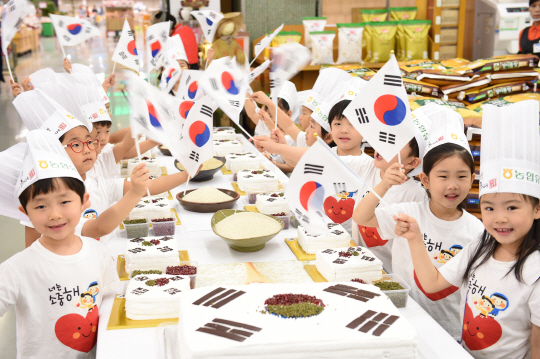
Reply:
x=276, y=103
x=140, y=160
x=114, y=67
x=187, y=182
x=8, y=66
x=62, y=47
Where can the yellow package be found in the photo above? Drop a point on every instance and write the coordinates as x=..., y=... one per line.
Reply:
x=411, y=69
x=455, y=63
x=416, y=39
x=374, y=15
x=282, y=38
x=383, y=40
x=400, y=43
x=421, y=88
x=500, y=63
x=503, y=101
x=403, y=13
x=502, y=89
x=467, y=114
x=366, y=43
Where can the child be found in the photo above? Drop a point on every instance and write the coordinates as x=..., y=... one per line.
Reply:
x=529, y=37
x=47, y=282
x=81, y=148
x=498, y=274
x=448, y=173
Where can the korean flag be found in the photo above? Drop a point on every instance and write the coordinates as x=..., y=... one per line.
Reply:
x=13, y=14
x=318, y=175
x=381, y=112
x=189, y=88
x=209, y=20
x=287, y=61
x=156, y=38
x=226, y=84
x=196, y=139
x=265, y=42
x=72, y=31
x=126, y=51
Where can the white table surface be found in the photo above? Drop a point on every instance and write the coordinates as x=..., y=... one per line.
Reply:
x=195, y=235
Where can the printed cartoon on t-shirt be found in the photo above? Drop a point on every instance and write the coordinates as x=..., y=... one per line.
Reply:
x=90, y=214
x=481, y=329
x=370, y=235
x=443, y=256
x=77, y=331
x=340, y=208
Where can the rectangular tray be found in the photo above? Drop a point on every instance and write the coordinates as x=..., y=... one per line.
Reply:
x=121, y=264
x=118, y=319
x=311, y=269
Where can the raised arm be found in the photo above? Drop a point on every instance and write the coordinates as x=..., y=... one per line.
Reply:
x=284, y=121
x=118, y=136
x=144, y=145
x=290, y=154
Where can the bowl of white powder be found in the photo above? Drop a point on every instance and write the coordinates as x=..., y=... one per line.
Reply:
x=245, y=231
x=207, y=199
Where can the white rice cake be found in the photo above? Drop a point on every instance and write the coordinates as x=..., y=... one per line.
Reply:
x=242, y=161
x=224, y=147
x=336, y=266
x=139, y=255
x=257, y=180
x=223, y=134
x=272, y=203
x=337, y=238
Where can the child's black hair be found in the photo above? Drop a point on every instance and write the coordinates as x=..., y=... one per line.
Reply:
x=531, y=2
x=336, y=113
x=283, y=105
x=47, y=185
x=103, y=124
x=86, y=294
x=443, y=152
x=488, y=245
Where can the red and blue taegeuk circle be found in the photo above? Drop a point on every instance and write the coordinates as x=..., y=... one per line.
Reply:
x=169, y=74
x=390, y=110
x=312, y=195
x=132, y=48
x=209, y=22
x=74, y=29
x=185, y=107
x=152, y=113
x=228, y=82
x=199, y=133
x=192, y=89
x=155, y=47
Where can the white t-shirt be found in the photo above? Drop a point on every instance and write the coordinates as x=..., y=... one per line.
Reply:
x=301, y=140
x=410, y=191
x=505, y=330
x=105, y=165
x=261, y=129
x=443, y=240
x=290, y=141
x=54, y=320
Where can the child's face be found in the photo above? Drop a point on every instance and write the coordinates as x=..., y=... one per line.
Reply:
x=345, y=135
x=102, y=134
x=534, y=9
x=305, y=118
x=183, y=64
x=84, y=160
x=407, y=159
x=313, y=128
x=57, y=213
x=508, y=217
x=449, y=182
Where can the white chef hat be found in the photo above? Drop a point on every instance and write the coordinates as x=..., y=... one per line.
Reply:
x=288, y=93
x=175, y=48
x=446, y=127
x=89, y=102
x=510, y=160
x=38, y=110
x=347, y=90
x=42, y=76
x=171, y=73
x=24, y=164
x=313, y=100
x=422, y=119
x=328, y=80
x=91, y=80
x=64, y=97
x=320, y=115
x=80, y=68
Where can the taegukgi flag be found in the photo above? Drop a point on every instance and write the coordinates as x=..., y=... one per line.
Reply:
x=156, y=39
x=261, y=45
x=381, y=111
x=71, y=31
x=126, y=51
x=209, y=20
x=13, y=14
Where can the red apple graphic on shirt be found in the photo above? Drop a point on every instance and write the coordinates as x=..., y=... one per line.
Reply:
x=339, y=211
x=371, y=237
x=435, y=296
x=78, y=332
x=480, y=332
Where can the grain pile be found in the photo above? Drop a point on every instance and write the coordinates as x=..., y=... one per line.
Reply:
x=207, y=195
x=211, y=164
x=244, y=225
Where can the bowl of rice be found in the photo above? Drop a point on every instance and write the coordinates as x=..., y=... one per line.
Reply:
x=245, y=231
x=207, y=199
x=207, y=171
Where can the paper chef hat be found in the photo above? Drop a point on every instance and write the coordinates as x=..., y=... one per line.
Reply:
x=288, y=93
x=24, y=164
x=320, y=115
x=175, y=49
x=510, y=160
x=422, y=119
x=446, y=127
x=88, y=100
x=42, y=76
x=313, y=100
x=38, y=110
x=347, y=90
x=80, y=68
x=89, y=79
x=63, y=96
x=329, y=79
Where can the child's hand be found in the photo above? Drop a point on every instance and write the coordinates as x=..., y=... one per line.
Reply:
x=108, y=82
x=67, y=65
x=140, y=179
x=278, y=137
x=264, y=143
x=27, y=86
x=394, y=175
x=210, y=55
x=260, y=97
x=407, y=227
x=16, y=89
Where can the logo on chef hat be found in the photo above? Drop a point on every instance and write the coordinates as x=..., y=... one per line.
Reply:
x=390, y=110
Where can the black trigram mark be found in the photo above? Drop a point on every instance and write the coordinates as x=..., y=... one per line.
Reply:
x=351, y=292
x=212, y=15
x=188, y=79
x=392, y=80
x=194, y=156
x=387, y=137
x=209, y=31
x=139, y=291
x=274, y=83
x=234, y=103
x=164, y=35
x=122, y=55
x=375, y=319
x=19, y=22
x=67, y=38
x=88, y=30
x=172, y=291
x=340, y=261
x=165, y=249
x=218, y=297
x=141, y=121
x=366, y=258
x=150, y=38
x=136, y=61
x=339, y=187
x=314, y=169
x=214, y=84
x=61, y=23
x=11, y=7
x=329, y=251
x=207, y=111
x=362, y=115
x=130, y=33
x=300, y=216
x=222, y=328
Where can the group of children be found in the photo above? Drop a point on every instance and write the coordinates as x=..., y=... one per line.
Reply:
x=479, y=281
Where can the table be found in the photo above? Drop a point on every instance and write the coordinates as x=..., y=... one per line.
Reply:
x=196, y=236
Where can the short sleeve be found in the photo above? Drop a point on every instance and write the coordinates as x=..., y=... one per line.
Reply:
x=290, y=140
x=534, y=304
x=115, y=189
x=110, y=167
x=385, y=218
x=110, y=275
x=301, y=140
x=362, y=165
x=9, y=287
x=454, y=269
